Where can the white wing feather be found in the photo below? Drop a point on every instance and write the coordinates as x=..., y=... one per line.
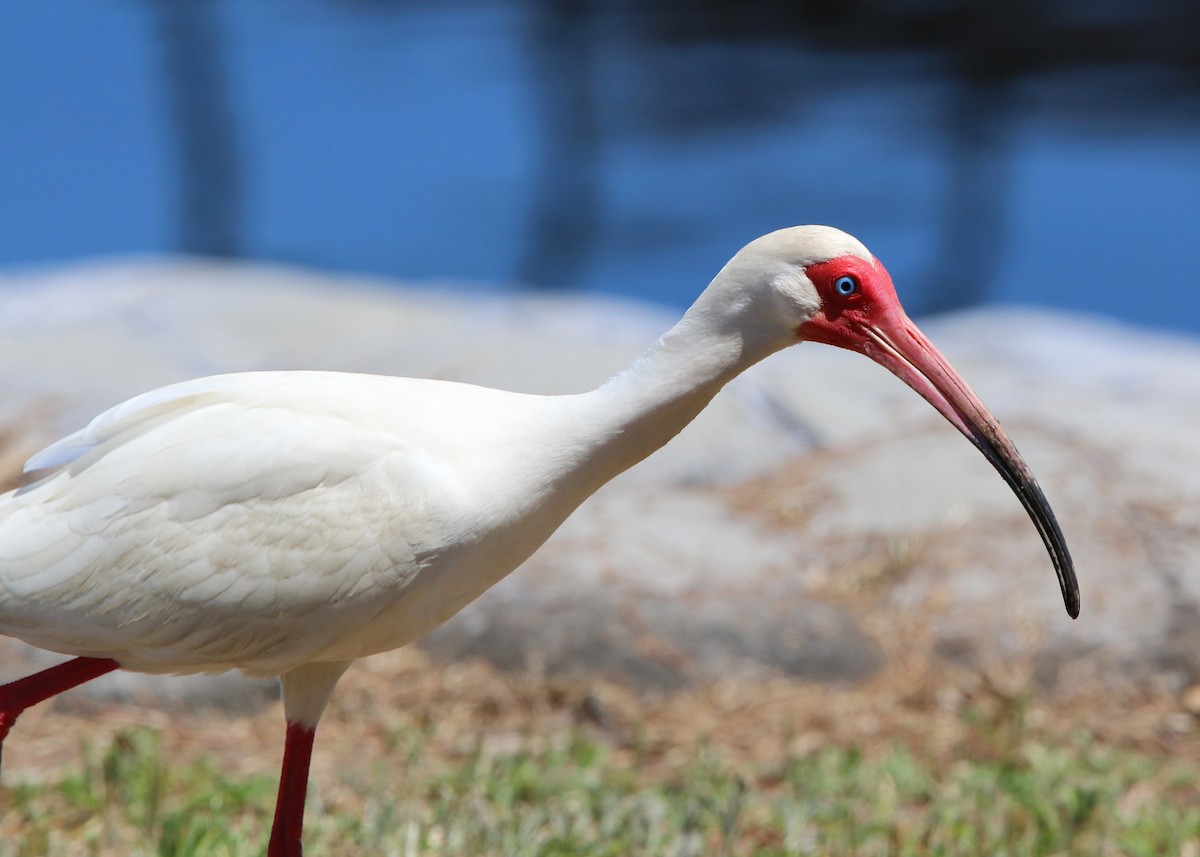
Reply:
x=184, y=529
x=128, y=415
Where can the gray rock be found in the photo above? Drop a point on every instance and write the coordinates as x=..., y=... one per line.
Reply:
x=662, y=586
x=815, y=502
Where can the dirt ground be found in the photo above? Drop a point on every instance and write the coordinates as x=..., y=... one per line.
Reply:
x=933, y=709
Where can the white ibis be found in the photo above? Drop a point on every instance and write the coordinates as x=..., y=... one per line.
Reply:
x=289, y=523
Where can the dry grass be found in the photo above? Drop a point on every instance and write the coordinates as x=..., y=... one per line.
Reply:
x=407, y=739
x=921, y=703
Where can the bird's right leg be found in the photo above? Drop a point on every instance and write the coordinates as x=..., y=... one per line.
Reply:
x=18, y=695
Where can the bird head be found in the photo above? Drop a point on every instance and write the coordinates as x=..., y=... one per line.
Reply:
x=826, y=287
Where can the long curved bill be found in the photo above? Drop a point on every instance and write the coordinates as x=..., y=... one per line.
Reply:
x=898, y=345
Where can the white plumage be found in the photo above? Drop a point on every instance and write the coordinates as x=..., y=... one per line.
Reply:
x=266, y=520
x=288, y=523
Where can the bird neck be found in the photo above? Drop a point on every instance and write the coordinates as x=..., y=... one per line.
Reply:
x=646, y=405
x=558, y=450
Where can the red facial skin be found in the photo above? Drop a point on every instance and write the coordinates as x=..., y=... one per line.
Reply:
x=841, y=315
x=872, y=322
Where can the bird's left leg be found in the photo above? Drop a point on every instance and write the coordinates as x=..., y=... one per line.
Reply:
x=306, y=692
x=293, y=788
x=18, y=695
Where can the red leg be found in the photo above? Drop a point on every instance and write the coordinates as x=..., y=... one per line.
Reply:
x=293, y=787
x=18, y=695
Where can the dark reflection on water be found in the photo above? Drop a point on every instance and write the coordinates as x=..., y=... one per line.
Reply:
x=989, y=151
x=200, y=116
x=713, y=65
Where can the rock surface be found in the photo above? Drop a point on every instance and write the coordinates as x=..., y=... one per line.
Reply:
x=814, y=508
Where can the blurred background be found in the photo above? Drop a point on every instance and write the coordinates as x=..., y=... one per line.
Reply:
x=825, y=627
x=1008, y=153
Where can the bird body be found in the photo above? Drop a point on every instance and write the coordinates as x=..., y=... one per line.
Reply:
x=353, y=514
x=289, y=523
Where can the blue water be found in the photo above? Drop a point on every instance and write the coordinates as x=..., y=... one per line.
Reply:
x=406, y=143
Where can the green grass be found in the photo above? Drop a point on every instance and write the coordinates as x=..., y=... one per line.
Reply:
x=584, y=797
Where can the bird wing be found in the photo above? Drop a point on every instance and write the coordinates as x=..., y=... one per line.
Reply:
x=129, y=418
x=231, y=521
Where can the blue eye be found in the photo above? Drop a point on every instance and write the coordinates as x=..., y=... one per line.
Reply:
x=845, y=285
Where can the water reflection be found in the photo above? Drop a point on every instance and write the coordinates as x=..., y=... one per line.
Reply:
x=201, y=119
x=630, y=146
x=710, y=66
